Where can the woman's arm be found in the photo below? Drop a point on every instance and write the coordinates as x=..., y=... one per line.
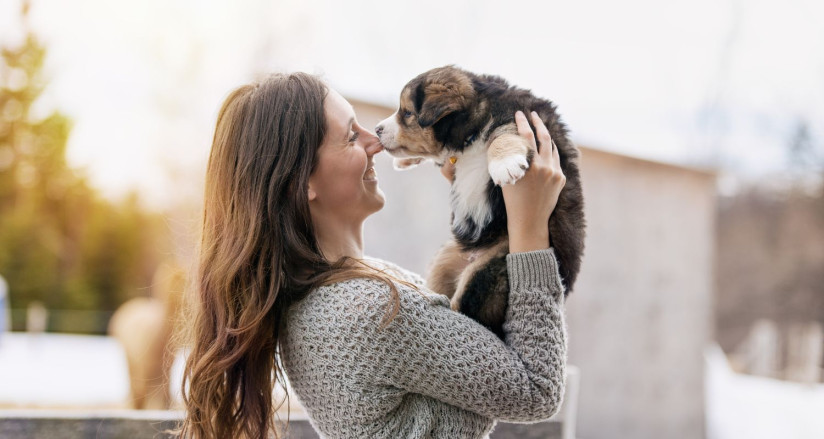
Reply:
x=525, y=381
x=432, y=350
x=531, y=200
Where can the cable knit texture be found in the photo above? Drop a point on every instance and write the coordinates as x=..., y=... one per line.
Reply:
x=432, y=372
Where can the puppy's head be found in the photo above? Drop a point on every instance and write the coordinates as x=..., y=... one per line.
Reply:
x=433, y=107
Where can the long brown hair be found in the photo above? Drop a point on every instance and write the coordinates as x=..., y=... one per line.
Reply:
x=258, y=254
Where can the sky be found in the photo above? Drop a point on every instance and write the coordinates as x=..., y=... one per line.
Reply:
x=712, y=84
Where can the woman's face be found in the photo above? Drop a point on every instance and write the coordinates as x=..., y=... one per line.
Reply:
x=344, y=184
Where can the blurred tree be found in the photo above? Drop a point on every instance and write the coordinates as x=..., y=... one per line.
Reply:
x=60, y=243
x=805, y=153
x=770, y=257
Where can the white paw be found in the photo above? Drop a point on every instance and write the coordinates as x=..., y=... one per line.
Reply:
x=508, y=170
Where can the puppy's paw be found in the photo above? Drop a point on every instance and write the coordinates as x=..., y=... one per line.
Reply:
x=406, y=163
x=508, y=170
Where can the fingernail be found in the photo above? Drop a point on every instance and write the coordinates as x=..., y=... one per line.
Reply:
x=535, y=114
x=519, y=112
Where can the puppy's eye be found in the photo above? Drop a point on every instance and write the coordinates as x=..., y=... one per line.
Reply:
x=407, y=114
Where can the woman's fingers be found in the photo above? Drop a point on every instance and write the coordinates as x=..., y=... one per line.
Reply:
x=544, y=139
x=523, y=127
x=448, y=170
x=548, y=155
x=556, y=158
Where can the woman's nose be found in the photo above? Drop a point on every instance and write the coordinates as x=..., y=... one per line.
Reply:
x=373, y=145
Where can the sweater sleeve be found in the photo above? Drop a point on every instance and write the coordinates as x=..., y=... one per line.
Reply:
x=431, y=350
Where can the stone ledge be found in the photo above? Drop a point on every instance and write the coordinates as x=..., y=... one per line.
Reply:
x=156, y=424
x=68, y=424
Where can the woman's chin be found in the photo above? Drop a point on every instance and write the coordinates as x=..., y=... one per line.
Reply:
x=380, y=200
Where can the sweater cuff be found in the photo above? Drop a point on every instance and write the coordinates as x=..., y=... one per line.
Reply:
x=536, y=269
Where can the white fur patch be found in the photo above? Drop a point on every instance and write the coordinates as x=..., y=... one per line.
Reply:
x=402, y=164
x=390, y=130
x=469, y=199
x=508, y=170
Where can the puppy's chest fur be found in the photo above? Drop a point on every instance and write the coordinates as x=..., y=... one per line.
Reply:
x=478, y=210
x=471, y=206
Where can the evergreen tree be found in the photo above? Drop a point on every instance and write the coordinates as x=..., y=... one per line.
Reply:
x=60, y=243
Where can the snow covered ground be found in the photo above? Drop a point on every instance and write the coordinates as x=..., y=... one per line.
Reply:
x=61, y=370
x=80, y=371
x=742, y=406
x=72, y=371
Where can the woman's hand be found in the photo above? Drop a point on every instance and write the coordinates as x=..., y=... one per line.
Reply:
x=448, y=170
x=531, y=200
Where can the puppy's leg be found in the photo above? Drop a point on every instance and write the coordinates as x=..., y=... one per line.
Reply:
x=480, y=293
x=508, y=158
x=445, y=269
x=485, y=294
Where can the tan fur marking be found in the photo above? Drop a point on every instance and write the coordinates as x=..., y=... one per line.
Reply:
x=418, y=141
x=446, y=93
x=507, y=145
x=446, y=90
x=499, y=249
x=445, y=269
x=415, y=140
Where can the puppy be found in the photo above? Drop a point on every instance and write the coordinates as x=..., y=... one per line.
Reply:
x=450, y=114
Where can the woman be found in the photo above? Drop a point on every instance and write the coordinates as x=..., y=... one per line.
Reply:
x=283, y=286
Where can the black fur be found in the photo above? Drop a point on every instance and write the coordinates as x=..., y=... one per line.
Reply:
x=456, y=112
x=566, y=226
x=485, y=297
x=490, y=233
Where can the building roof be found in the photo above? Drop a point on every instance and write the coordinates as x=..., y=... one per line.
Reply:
x=585, y=149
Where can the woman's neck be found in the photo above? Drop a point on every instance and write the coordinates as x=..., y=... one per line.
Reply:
x=339, y=239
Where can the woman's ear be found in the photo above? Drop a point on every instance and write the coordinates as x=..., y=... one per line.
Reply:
x=311, y=193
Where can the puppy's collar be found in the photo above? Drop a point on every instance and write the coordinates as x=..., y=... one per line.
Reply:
x=470, y=139
x=467, y=142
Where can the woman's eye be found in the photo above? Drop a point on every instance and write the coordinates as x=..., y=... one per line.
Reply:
x=354, y=137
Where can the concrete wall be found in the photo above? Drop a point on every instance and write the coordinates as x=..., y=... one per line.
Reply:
x=640, y=315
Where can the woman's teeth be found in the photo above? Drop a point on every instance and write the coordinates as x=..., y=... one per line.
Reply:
x=370, y=174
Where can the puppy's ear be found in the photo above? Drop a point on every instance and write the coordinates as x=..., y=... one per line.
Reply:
x=445, y=91
x=406, y=162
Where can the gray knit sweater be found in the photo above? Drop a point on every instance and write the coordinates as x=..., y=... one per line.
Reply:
x=432, y=372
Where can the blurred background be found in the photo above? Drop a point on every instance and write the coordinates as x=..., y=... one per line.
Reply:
x=699, y=308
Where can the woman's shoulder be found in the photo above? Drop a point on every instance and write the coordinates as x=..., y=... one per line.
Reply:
x=346, y=315
x=396, y=270
x=367, y=298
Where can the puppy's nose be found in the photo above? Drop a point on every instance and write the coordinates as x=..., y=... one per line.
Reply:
x=378, y=130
